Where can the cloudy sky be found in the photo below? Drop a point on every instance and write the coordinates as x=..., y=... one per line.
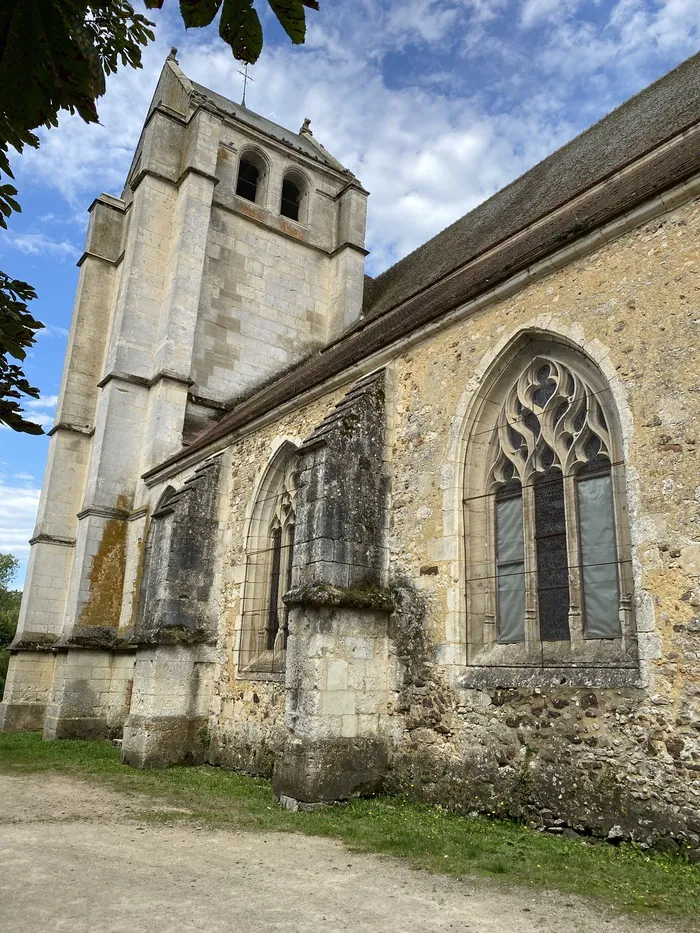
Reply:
x=434, y=104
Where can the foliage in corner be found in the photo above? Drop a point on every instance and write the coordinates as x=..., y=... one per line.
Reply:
x=239, y=25
x=54, y=55
x=17, y=333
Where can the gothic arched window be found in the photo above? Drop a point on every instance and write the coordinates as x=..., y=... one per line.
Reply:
x=270, y=554
x=548, y=564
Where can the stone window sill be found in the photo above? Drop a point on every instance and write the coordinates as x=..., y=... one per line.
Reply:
x=261, y=668
x=477, y=678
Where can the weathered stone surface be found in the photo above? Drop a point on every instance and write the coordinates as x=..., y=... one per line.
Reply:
x=167, y=721
x=327, y=770
x=176, y=606
x=342, y=487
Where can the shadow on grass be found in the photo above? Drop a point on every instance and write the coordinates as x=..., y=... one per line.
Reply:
x=428, y=837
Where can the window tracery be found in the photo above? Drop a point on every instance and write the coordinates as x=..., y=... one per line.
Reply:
x=547, y=580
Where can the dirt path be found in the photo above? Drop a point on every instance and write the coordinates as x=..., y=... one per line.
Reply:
x=74, y=857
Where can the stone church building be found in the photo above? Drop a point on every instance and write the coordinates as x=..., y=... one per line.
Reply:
x=437, y=531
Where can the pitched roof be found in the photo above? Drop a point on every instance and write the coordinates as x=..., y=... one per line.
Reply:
x=481, y=250
x=303, y=143
x=656, y=114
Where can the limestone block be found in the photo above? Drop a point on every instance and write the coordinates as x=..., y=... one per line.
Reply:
x=167, y=723
x=27, y=691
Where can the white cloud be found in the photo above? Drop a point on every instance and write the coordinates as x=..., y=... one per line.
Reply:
x=46, y=401
x=52, y=330
x=38, y=244
x=427, y=146
x=17, y=516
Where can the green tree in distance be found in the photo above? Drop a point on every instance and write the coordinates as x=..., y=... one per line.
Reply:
x=55, y=55
x=9, y=611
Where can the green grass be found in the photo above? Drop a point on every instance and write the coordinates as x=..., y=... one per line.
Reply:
x=428, y=837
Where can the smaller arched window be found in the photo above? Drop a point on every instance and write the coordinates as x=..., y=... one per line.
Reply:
x=294, y=201
x=291, y=199
x=248, y=180
x=270, y=547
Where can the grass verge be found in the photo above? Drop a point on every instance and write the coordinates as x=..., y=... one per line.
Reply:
x=625, y=877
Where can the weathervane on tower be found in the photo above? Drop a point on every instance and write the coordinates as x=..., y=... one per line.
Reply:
x=246, y=79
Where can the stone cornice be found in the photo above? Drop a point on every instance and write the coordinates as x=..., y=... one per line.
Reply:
x=143, y=381
x=173, y=182
x=123, y=377
x=73, y=428
x=45, y=538
x=206, y=402
x=353, y=246
x=102, y=511
x=193, y=170
x=263, y=222
x=108, y=200
x=89, y=254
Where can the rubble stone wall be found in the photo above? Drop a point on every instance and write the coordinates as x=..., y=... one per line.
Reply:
x=604, y=759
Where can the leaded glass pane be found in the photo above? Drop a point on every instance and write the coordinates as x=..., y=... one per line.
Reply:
x=552, y=563
x=273, y=621
x=510, y=568
x=601, y=595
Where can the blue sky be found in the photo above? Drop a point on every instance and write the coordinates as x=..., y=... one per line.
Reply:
x=434, y=104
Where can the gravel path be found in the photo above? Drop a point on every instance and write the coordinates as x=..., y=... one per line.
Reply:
x=75, y=857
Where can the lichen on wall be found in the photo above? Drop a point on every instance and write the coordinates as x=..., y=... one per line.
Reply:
x=102, y=608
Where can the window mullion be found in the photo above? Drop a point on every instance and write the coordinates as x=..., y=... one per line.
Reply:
x=532, y=629
x=574, y=557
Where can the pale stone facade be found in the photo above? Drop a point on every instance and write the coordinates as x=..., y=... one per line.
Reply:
x=308, y=586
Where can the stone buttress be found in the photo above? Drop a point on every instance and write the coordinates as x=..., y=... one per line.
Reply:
x=338, y=667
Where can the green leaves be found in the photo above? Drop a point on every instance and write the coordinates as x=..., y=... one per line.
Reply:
x=198, y=12
x=17, y=334
x=290, y=13
x=240, y=28
x=7, y=203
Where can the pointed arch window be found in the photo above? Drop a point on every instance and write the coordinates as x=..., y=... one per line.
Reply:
x=548, y=571
x=270, y=556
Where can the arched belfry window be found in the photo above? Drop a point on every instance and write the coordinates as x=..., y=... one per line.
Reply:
x=293, y=201
x=251, y=174
x=548, y=576
x=269, y=559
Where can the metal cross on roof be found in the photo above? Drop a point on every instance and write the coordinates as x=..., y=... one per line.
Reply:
x=246, y=79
